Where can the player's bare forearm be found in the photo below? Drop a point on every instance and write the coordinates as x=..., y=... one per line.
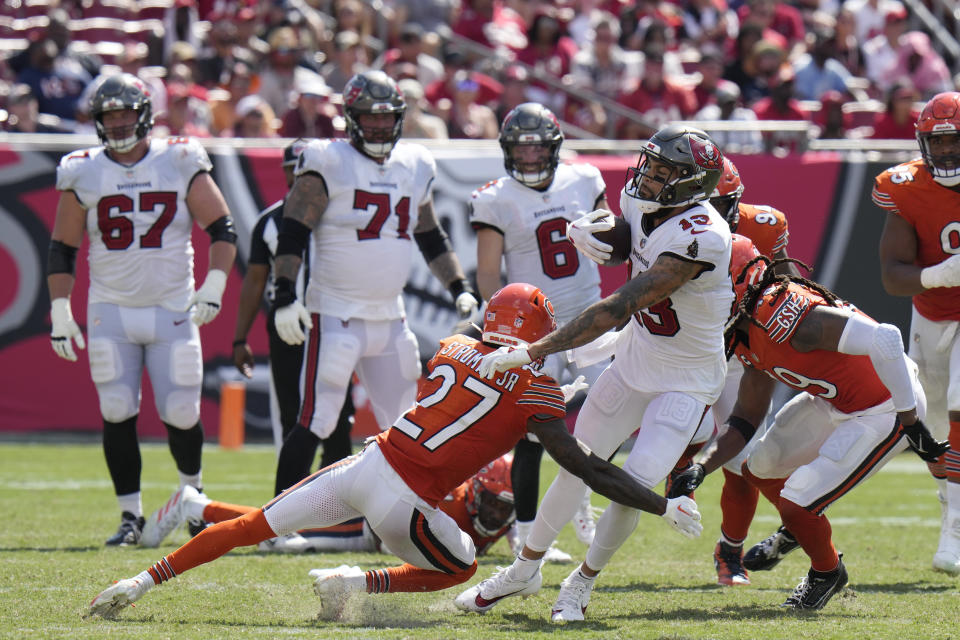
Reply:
x=608, y=480
x=287, y=266
x=722, y=448
x=446, y=268
x=650, y=287
x=222, y=255
x=307, y=200
x=60, y=285
x=251, y=293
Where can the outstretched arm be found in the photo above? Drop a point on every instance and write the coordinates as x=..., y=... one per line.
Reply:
x=611, y=481
x=650, y=287
x=606, y=479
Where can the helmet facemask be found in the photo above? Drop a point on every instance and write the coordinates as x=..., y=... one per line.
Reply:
x=941, y=153
x=491, y=512
x=120, y=93
x=373, y=92
x=531, y=174
x=530, y=125
x=678, y=166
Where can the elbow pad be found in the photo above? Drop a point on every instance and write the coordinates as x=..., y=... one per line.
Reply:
x=433, y=243
x=293, y=236
x=221, y=230
x=61, y=258
x=884, y=345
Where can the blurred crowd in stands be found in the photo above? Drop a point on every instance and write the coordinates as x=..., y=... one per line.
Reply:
x=267, y=68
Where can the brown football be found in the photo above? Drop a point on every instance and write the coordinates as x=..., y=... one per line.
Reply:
x=620, y=238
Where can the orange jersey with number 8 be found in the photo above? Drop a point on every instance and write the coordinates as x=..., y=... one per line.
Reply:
x=461, y=422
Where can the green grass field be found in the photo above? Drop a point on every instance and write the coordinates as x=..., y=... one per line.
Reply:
x=58, y=508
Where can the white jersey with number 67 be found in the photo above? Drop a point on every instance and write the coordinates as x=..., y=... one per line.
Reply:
x=137, y=221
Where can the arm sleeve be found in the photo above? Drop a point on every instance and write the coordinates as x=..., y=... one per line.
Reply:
x=884, y=345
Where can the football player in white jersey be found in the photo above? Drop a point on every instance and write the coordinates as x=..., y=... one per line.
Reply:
x=137, y=198
x=669, y=365
x=362, y=203
x=521, y=218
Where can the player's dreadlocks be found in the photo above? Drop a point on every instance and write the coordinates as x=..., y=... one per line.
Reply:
x=731, y=336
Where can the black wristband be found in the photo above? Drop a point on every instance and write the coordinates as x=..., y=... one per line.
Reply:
x=285, y=292
x=459, y=286
x=239, y=343
x=743, y=426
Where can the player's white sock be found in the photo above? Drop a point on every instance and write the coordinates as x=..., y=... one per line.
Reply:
x=195, y=480
x=131, y=502
x=525, y=568
x=523, y=530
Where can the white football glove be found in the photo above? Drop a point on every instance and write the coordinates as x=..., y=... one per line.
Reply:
x=467, y=306
x=580, y=233
x=502, y=359
x=683, y=516
x=206, y=300
x=570, y=390
x=945, y=274
x=64, y=330
x=288, y=319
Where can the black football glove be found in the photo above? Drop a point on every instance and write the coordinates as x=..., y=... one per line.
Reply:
x=923, y=443
x=685, y=483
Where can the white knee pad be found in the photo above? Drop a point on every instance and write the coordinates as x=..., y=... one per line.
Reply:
x=105, y=364
x=337, y=359
x=801, y=480
x=186, y=364
x=678, y=411
x=181, y=408
x=117, y=402
x=326, y=412
x=408, y=355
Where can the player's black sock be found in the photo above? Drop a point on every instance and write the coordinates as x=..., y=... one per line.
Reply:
x=525, y=478
x=186, y=446
x=296, y=456
x=122, y=451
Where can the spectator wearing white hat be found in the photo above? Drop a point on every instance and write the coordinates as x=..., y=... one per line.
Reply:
x=255, y=118
x=312, y=115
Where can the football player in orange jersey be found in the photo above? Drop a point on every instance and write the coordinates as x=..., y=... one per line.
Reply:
x=460, y=423
x=766, y=227
x=862, y=406
x=482, y=506
x=919, y=258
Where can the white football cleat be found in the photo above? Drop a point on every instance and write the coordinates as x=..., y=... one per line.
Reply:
x=114, y=598
x=947, y=557
x=164, y=520
x=291, y=542
x=573, y=598
x=584, y=520
x=334, y=587
x=482, y=597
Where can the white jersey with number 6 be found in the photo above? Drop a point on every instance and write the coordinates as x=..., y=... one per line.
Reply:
x=677, y=344
x=363, y=246
x=138, y=222
x=534, y=228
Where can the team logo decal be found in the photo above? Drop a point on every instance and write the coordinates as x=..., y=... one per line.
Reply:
x=694, y=249
x=706, y=154
x=353, y=92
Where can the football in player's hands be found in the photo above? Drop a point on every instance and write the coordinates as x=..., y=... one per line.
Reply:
x=619, y=237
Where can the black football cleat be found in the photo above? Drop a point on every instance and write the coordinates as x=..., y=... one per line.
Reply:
x=816, y=589
x=768, y=553
x=129, y=531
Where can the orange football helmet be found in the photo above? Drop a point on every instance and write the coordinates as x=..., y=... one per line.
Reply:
x=726, y=197
x=489, y=498
x=744, y=274
x=517, y=315
x=941, y=118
